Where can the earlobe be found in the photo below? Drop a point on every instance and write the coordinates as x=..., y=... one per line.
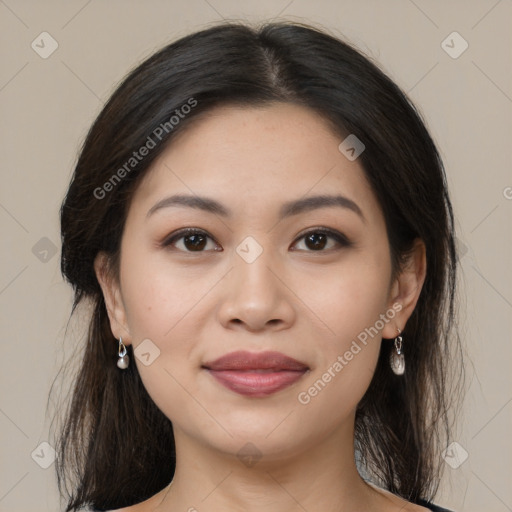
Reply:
x=112, y=296
x=406, y=289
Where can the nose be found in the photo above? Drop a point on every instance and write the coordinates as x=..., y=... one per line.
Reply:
x=257, y=297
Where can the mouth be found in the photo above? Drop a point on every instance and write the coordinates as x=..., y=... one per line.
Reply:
x=256, y=374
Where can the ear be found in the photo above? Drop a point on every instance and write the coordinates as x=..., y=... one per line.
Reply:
x=113, y=299
x=406, y=288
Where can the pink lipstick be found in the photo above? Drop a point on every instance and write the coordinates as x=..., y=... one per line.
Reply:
x=256, y=374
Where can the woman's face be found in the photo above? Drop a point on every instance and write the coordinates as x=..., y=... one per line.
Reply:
x=268, y=271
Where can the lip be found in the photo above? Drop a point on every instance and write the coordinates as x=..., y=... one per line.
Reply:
x=256, y=374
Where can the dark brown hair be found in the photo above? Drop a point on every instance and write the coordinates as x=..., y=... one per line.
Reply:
x=116, y=448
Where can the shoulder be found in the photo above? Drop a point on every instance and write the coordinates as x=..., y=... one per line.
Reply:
x=143, y=506
x=396, y=503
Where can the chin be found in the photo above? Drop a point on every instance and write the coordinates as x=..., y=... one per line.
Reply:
x=272, y=438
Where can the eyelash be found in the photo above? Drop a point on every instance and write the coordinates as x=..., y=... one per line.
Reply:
x=340, y=238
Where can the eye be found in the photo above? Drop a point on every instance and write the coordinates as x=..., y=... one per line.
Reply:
x=317, y=240
x=190, y=240
x=196, y=240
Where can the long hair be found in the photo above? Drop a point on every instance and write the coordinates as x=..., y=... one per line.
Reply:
x=115, y=447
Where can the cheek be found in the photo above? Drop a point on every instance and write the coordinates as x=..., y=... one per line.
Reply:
x=166, y=305
x=351, y=298
x=158, y=296
x=162, y=308
x=352, y=307
x=347, y=361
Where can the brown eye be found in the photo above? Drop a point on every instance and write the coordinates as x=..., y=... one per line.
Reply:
x=194, y=242
x=318, y=240
x=190, y=240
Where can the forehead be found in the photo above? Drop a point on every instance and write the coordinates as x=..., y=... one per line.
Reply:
x=256, y=156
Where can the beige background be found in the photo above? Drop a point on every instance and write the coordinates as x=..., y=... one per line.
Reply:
x=48, y=104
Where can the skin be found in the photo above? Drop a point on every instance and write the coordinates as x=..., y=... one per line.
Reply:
x=308, y=304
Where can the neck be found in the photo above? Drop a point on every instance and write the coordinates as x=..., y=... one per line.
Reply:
x=317, y=477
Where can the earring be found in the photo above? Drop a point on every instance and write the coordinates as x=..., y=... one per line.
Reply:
x=397, y=359
x=124, y=359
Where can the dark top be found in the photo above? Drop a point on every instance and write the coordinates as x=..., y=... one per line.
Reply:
x=423, y=503
x=432, y=507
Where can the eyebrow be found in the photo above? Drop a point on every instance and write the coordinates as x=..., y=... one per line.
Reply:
x=288, y=209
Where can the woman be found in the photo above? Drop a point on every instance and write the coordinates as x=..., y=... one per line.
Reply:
x=260, y=222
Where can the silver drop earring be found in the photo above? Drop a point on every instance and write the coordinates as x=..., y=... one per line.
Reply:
x=397, y=359
x=124, y=359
